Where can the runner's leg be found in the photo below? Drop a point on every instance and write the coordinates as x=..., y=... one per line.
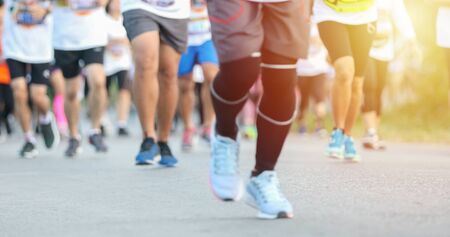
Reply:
x=187, y=100
x=168, y=79
x=276, y=111
x=361, y=38
x=124, y=98
x=145, y=49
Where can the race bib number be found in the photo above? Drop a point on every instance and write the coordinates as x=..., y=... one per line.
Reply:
x=25, y=18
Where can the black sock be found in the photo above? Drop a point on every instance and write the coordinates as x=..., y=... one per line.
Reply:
x=232, y=85
x=276, y=111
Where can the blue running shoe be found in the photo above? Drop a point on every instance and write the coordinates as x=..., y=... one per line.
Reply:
x=149, y=149
x=350, y=153
x=336, y=146
x=264, y=193
x=167, y=158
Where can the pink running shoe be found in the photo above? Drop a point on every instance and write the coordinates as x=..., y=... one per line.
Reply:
x=188, y=137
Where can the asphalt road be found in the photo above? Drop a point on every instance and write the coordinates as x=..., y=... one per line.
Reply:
x=404, y=191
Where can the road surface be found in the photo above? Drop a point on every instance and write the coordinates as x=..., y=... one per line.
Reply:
x=404, y=191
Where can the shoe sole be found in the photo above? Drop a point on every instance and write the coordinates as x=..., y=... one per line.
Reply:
x=30, y=155
x=77, y=152
x=352, y=159
x=334, y=155
x=250, y=201
x=227, y=199
x=98, y=150
x=147, y=162
x=370, y=146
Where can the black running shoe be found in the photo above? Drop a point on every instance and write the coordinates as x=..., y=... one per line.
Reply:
x=167, y=158
x=28, y=151
x=74, y=147
x=50, y=133
x=96, y=140
x=123, y=132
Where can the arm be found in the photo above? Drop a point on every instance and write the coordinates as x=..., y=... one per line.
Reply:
x=401, y=20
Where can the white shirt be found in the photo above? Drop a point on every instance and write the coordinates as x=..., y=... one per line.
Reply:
x=443, y=27
x=117, y=57
x=316, y=63
x=28, y=44
x=199, y=27
x=322, y=12
x=79, y=29
x=174, y=9
x=391, y=13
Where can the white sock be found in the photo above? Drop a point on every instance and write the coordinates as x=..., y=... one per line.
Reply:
x=45, y=118
x=122, y=124
x=29, y=137
x=94, y=131
x=372, y=131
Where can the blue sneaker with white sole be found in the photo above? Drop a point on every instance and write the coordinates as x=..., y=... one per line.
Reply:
x=167, y=158
x=350, y=153
x=263, y=193
x=336, y=147
x=149, y=150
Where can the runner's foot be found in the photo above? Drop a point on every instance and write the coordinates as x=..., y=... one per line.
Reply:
x=149, y=149
x=263, y=193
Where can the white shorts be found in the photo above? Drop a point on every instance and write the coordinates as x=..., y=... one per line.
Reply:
x=442, y=27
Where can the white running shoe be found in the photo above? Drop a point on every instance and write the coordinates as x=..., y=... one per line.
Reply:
x=263, y=193
x=224, y=176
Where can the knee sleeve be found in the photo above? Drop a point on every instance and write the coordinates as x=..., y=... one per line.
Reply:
x=235, y=79
x=279, y=103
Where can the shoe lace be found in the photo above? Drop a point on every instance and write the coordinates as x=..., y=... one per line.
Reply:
x=269, y=189
x=226, y=158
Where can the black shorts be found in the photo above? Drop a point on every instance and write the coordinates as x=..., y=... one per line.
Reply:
x=39, y=73
x=348, y=40
x=70, y=62
x=123, y=80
